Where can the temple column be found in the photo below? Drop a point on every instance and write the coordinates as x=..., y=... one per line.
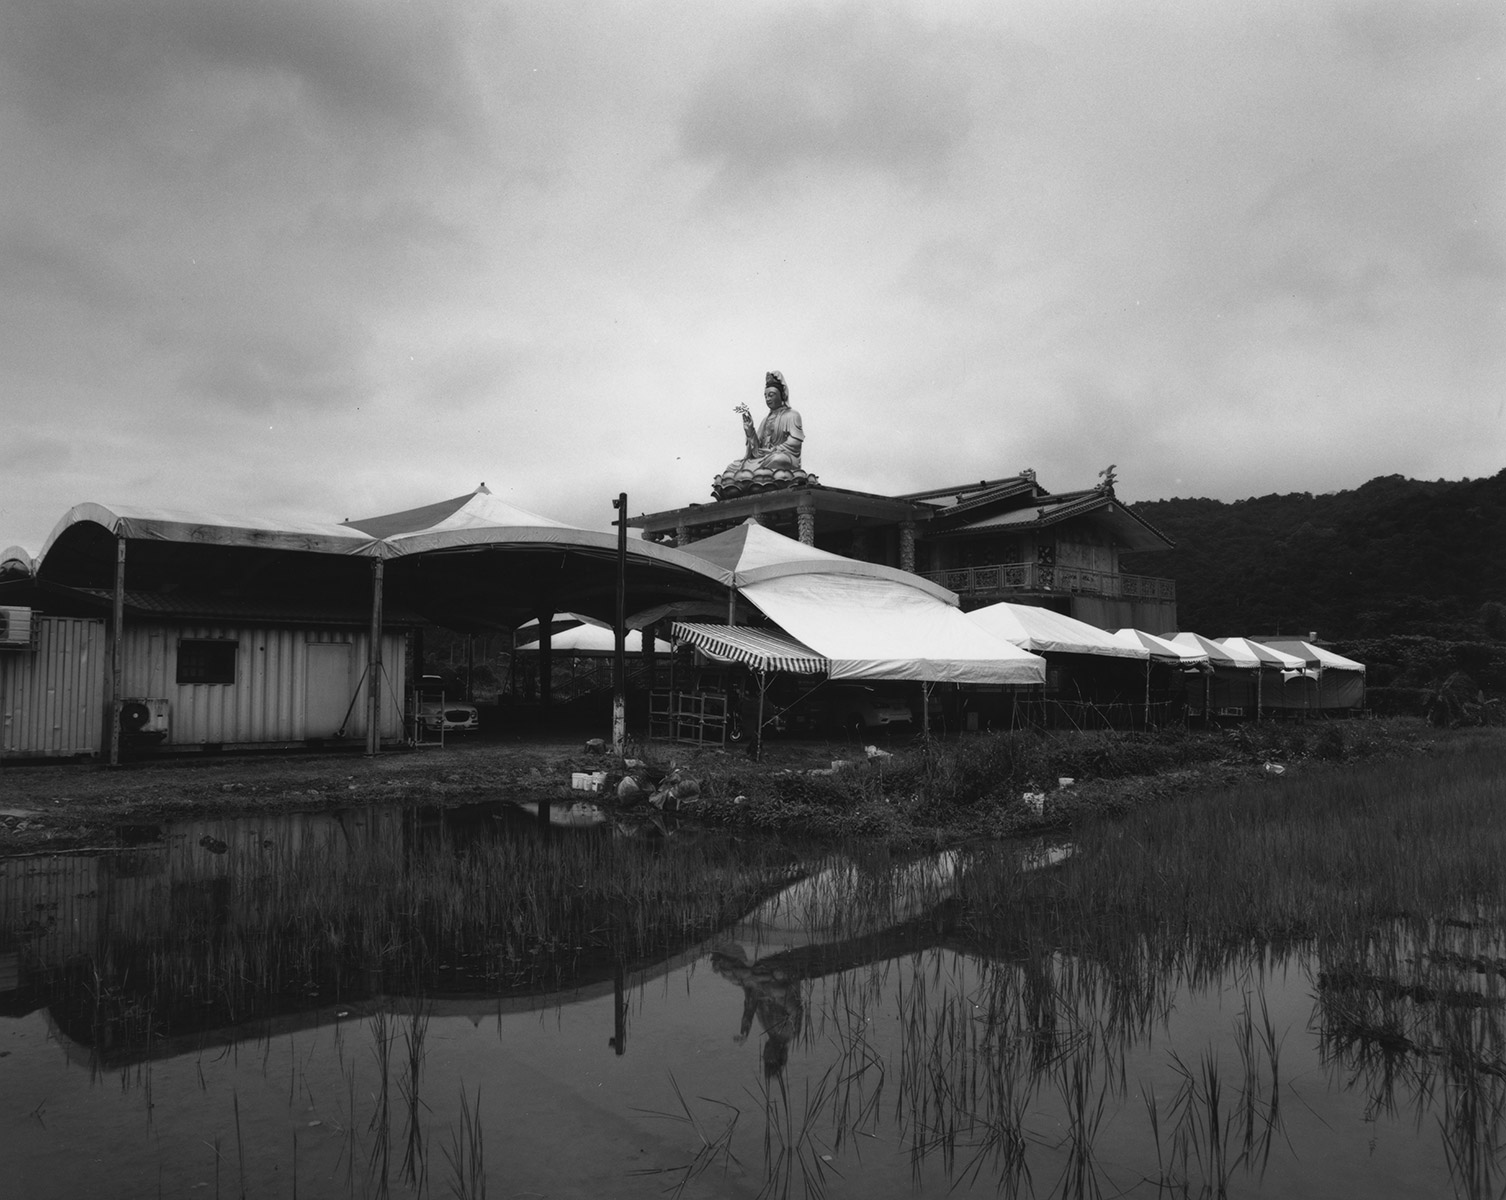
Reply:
x=805, y=516
x=860, y=544
x=682, y=534
x=907, y=546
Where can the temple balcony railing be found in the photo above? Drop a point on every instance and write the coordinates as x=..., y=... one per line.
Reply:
x=1000, y=579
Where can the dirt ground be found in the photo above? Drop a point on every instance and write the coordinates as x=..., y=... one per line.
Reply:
x=48, y=807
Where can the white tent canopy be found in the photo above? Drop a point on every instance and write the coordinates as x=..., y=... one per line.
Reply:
x=1267, y=656
x=1341, y=681
x=870, y=628
x=1218, y=654
x=484, y=520
x=1160, y=649
x=1043, y=631
x=750, y=553
x=865, y=620
x=1316, y=656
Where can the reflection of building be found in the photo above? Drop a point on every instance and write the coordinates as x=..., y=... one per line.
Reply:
x=1001, y=539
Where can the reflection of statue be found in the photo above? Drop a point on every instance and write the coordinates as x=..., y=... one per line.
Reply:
x=773, y=995
x=771, y=456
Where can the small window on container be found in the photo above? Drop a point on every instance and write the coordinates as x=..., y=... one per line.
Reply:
x=205, y=661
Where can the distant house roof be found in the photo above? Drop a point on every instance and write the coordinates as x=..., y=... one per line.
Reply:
x=1020, y=502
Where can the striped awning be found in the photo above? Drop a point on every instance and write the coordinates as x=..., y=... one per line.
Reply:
x=762, y=649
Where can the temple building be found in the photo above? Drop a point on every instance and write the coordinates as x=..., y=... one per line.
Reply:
x=997, y=539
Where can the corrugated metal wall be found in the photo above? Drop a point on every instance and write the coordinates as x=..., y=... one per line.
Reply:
x=267, y=703
x=52, y=700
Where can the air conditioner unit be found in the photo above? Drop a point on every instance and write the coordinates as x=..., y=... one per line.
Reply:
x=145, y=718
x=15, y=627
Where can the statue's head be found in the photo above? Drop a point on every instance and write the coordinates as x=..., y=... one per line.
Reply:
x=775, y=390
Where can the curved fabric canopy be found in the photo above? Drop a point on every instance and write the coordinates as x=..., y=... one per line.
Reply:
x=750, y=553
x=1043, y=631
x=481, y=520
x=15, y=561
x=473, y=562
x=207, y=529
x=869, y=628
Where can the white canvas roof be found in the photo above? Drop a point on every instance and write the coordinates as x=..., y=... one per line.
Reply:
x=1218, y=654
x=1268, y=656
x=16, y=560
x=482, y=519
x=750, y=553
x=1160, y=649
x=871, y=628
x=213, y=529
x=1045, y=632
x=1316, y=656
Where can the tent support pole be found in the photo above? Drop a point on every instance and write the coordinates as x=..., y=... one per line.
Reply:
x=117, y=649
x=1147, y=695
x=763, y=686
x=546, y=658
x=619, y=630
x=374, y=662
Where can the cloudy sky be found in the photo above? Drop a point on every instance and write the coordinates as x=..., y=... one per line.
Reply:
x=317, y=259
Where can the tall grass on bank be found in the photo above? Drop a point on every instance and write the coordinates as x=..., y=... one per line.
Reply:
x=978, y=782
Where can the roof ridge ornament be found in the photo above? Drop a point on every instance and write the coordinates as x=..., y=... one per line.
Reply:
x=1107, y=475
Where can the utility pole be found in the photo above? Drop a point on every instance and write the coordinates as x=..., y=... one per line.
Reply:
x=619, y=627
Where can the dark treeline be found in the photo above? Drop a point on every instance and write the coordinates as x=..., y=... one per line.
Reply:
x=1411, y=572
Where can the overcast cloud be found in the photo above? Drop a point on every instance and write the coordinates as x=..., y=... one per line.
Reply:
x=316, y=259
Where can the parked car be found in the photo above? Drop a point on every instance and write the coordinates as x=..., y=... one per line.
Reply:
x=859, y=707
x=438, y=711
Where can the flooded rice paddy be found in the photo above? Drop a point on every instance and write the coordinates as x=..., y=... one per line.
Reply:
x=399, y=1002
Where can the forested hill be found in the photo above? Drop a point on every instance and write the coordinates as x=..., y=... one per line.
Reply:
x=1394, y=556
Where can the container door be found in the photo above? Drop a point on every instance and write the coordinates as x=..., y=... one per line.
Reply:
x=329, y=687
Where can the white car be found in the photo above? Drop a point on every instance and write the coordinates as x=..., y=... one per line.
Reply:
x=437, y=712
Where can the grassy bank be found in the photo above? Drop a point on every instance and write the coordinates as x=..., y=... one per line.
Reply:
x=990, y=785
x=1003, y=785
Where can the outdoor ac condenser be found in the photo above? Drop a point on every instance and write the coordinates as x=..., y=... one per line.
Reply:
x=148, y=716
x=15, y=627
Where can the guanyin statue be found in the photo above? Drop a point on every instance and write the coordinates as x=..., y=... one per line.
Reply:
x=772, y=453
